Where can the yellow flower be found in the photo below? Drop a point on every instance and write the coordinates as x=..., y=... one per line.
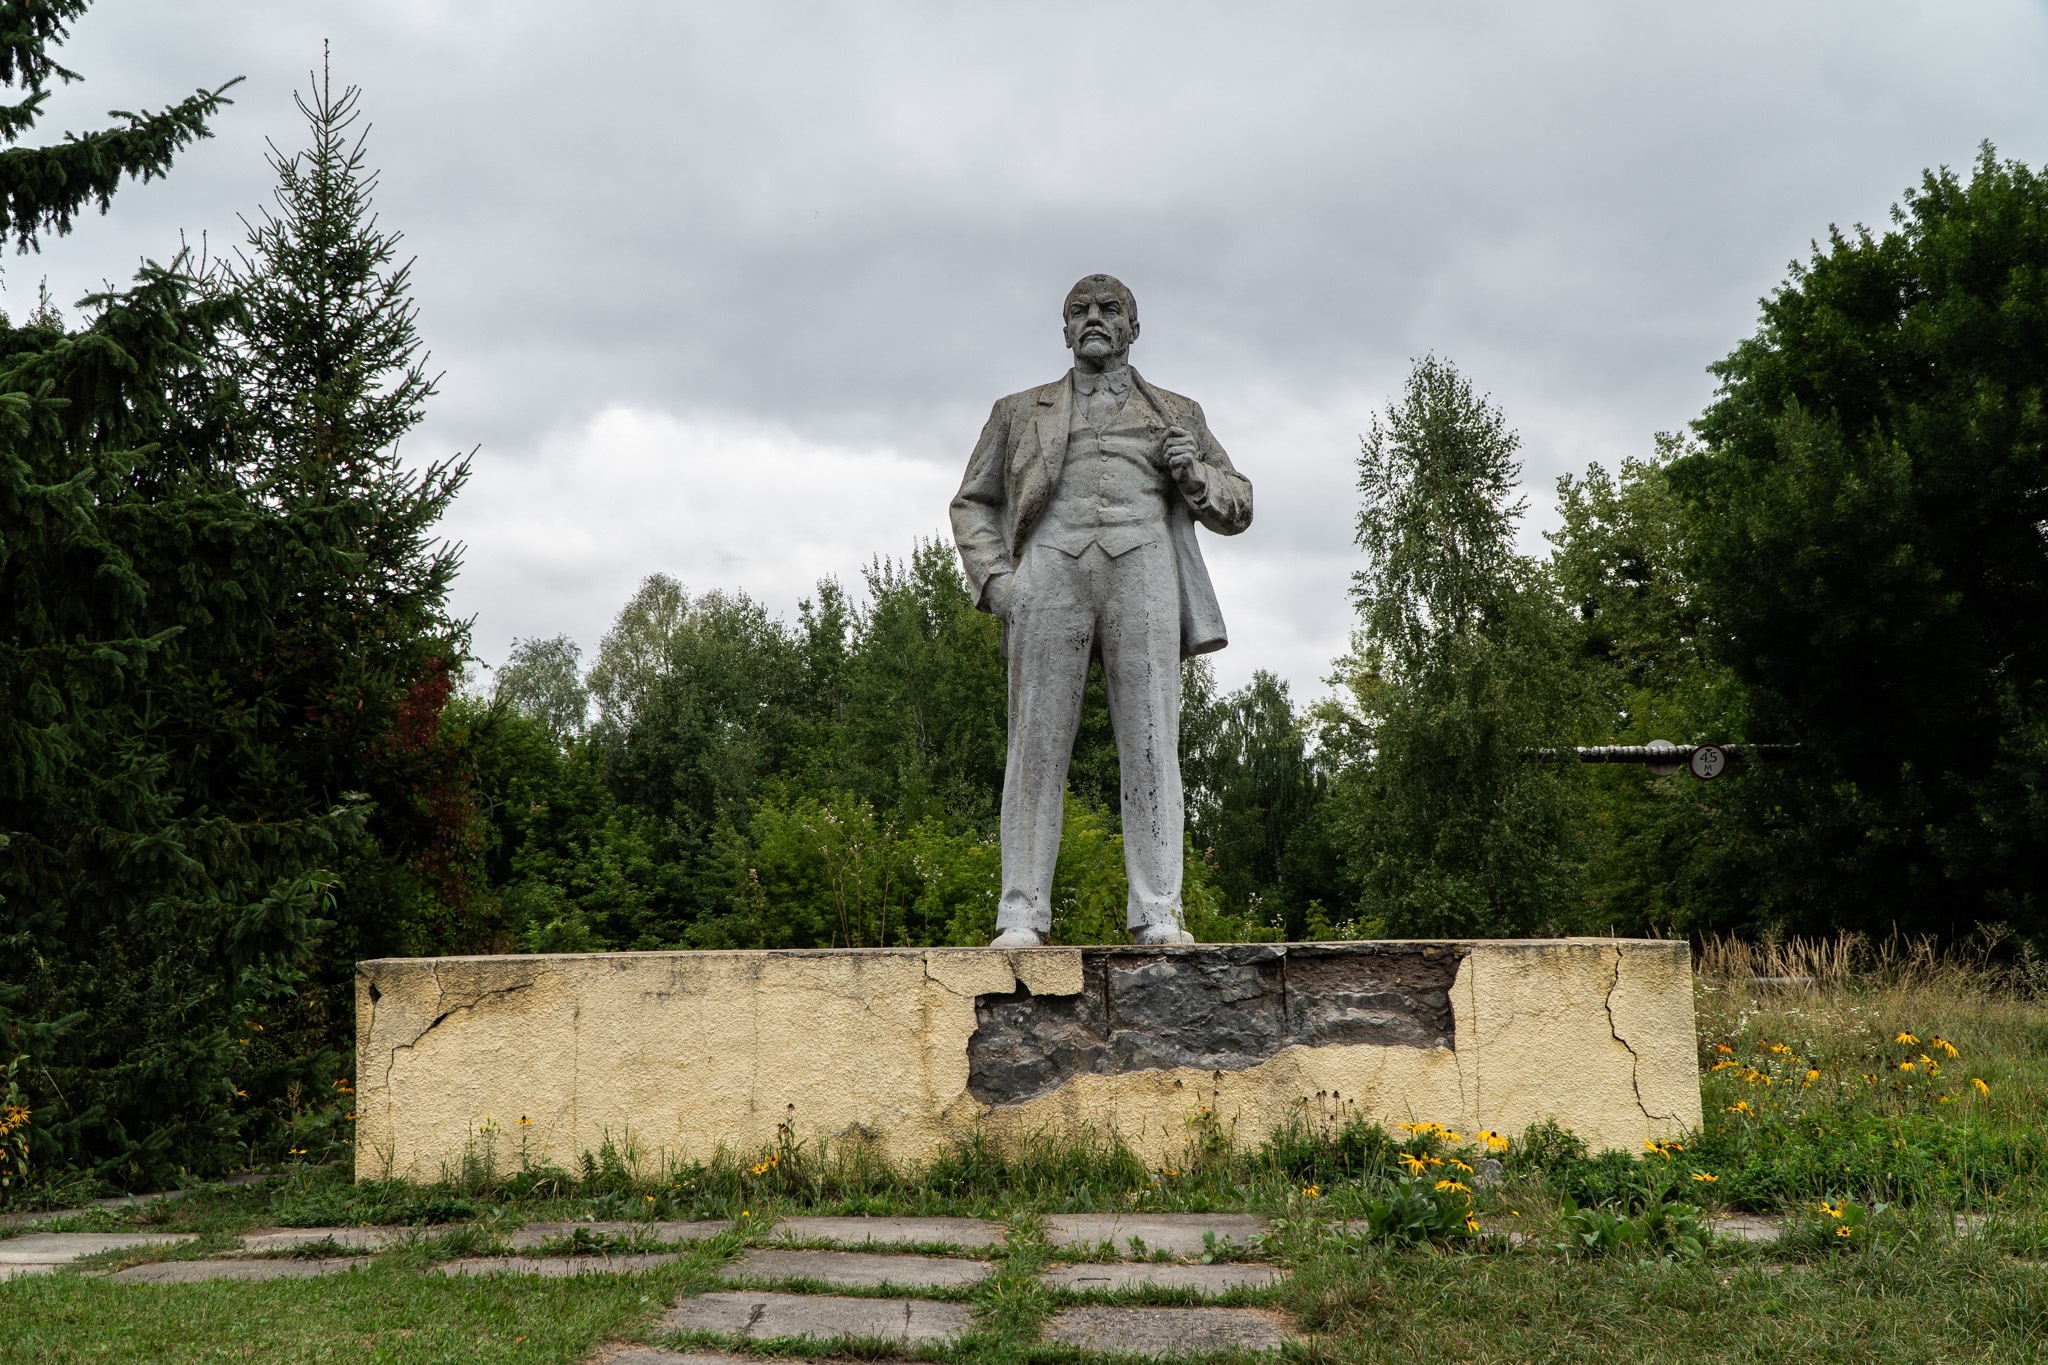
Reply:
x=1812, y=1076
x=1448, y=1136
x=1471, y=1223
x=1944, y=1045
x=1723, y=1047
x=525, y=1121
x=1705, y=1177
x=1829, y=1209
x=1495, y=1142
x=1906, y=1038
x=1461, y=1166
x=746, y=1213
x=1724, y=1064
x=1905, y=1066
x=1845, y=1231
x=1312, y=1191
x=1781, y=1049
x=1453, y=1185
x=1415, y=1164
x=1982, y=1088
x=243, y=1094
x=1739, y=1107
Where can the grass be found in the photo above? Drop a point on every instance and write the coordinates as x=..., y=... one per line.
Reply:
x=1896, y=1153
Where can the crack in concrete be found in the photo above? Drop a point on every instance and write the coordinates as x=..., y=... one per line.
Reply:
x=1635, y=1061
x=392, y=1060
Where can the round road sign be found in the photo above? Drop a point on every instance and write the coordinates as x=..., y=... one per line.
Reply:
x=1709, y=761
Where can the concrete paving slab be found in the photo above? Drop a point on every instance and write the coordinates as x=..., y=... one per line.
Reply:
x=959, y=1232
x=46, y=1248
x=1178, y=1234
x=533, y=1234
x=1203, y=1279
x=556, y=1267
x=194, y=1272
x=288, y=1239
x=761, y=1317
x=1166, y=1331
x=1746, y=1227
x=865, y=1269
x=8, y=1272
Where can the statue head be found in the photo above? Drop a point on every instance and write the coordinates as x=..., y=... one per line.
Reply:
x=1101, y=320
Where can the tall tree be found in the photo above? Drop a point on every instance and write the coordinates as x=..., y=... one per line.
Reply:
x=1875, y=478
x=1462, y=668
x=330, y=375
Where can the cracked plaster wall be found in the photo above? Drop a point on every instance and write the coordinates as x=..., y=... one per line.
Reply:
x=688, y=1052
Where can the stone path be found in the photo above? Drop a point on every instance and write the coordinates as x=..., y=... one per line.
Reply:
x=959, y=1232
x=556, y=1267
x=1179, y=1234
x=192, y=1272
x=39, y=1253
x=1166, y=1331
x=858, y=1269
x=762, y=1317
x=351, y=1239
x=534, y=1234
x=1204, y=1279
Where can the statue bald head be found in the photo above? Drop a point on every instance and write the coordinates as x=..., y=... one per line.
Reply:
x=1101, y=321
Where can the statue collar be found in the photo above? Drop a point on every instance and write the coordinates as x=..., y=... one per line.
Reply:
x=1117, y=380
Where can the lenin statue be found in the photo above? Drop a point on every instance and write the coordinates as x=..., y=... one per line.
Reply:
x=1076, y=525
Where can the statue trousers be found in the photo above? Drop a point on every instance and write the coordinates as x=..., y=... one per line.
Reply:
x=1062, y=607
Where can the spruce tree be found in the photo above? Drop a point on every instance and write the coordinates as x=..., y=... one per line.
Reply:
x=330, y=375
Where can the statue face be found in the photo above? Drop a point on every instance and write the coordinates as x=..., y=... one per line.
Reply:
x=1099, y=321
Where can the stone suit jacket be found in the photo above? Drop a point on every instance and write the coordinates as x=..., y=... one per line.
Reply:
x=1016, y=466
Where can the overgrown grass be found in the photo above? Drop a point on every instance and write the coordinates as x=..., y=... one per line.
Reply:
x=1807, y=1105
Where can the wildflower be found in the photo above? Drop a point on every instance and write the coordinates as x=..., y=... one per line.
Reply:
x=1905, y=1066
x=650, y=1199
x=1845, y=1231
x=350, y=1117
x=1514, y=1213
x=1461, y=1166
x=525, y=1122
x=1982, y=1088
x=1448, y=1136
x=243, y=1094
x=1724, y=1064
x=1705, y=1177
x=1830, y=1210
x=1495, y=1142
x=1781, y=1050
x=1312, y=1191
x=296, y=1151
x=1739, y=1107
x=1723, y=1047
x=746, y=1213
x=1414, y=1164
x=1471, y=1223
x=1454, y=1185
x=1812, y=1075
x=1944, y=1045
x=1946, y=1098
x=1908, y=1039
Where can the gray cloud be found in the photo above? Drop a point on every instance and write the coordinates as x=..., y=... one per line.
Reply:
x=767, y=231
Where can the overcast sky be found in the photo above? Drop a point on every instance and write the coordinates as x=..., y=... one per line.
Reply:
x=726, y=290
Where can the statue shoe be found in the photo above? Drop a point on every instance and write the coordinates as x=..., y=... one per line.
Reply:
x=1019, y=938
x=1160, y=935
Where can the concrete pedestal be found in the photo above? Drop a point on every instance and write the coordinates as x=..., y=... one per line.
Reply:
x=914, y=1048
